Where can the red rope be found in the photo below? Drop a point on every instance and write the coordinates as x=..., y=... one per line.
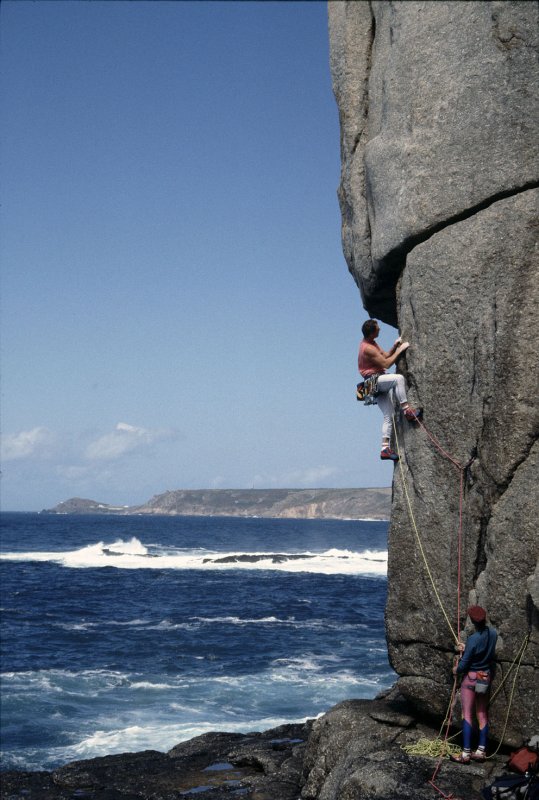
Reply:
x=437, y=444
x=459, y=548
x=450, y=796
x=442, y=757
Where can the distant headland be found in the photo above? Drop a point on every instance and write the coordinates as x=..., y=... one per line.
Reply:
x=288, y=503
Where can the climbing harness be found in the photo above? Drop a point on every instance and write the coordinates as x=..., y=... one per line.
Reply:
x=367, y=390
x=441, y=748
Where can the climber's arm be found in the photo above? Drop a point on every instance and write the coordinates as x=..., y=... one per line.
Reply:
x=379, y=358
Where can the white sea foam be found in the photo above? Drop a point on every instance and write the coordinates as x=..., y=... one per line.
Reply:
x=91, y=681
x=133, y=711
x=150, y=685
x=76, y=626
x=240, y=621
x=307, y=669
x=134, y=555
x=167, y=625
x=161, y=737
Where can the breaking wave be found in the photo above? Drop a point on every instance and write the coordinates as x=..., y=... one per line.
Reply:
x=133, y=554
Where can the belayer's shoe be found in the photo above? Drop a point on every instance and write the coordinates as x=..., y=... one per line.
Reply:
x=413, y=414
x=387, y=454
x=463, y=758
x=479, y=755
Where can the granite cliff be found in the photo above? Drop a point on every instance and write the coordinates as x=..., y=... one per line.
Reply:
x=440, y=167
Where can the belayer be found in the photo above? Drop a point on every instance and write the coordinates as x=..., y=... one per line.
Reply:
x=373, y=361
x=476, y=665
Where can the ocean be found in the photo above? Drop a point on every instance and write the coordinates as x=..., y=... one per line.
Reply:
x=131, y=633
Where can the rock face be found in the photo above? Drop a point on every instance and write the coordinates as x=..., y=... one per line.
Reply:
x=440, y=167
x=355, y=753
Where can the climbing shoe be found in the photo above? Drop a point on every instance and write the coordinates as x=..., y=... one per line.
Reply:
x=387, y=454
x=479, y=755
x=413, y=414
x=463, y=758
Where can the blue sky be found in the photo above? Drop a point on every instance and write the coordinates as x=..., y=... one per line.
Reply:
x=176, y=308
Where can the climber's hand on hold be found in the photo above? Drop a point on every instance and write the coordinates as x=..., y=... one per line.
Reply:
x=382, y=360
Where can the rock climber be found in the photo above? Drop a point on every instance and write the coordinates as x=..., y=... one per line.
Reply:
x=372, y=360
x=477, y=666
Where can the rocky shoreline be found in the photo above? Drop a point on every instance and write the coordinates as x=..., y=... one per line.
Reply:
x=354, y=752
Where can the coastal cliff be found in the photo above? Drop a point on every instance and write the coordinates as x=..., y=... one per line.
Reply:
x=270, y=503
x=438, y=109
x=440, y=221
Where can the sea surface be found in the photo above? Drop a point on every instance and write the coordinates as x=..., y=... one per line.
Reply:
x=131, y=633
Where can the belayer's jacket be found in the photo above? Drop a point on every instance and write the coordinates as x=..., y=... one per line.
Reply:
x=479, y=651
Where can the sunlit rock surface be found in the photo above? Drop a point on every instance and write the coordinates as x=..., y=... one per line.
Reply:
x=440, y=167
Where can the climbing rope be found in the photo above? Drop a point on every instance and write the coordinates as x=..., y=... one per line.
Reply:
x=432, y=748
x=462, y=471
x=517, y=660
x=438, y=747
x=454, y=634
x=437, y=444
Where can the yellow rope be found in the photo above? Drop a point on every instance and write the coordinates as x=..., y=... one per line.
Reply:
x=418, y=537
x=434, y=748
x=449, y=713
x=518, y=657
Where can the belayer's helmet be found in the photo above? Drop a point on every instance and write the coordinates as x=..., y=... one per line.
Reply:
x=477, y=614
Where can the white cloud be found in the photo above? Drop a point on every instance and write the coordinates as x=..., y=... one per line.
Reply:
x=36, y=442
x=122, y=440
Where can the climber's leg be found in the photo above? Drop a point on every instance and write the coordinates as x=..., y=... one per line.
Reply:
x=467, y=701
x=481, y=709
x=385, y=400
